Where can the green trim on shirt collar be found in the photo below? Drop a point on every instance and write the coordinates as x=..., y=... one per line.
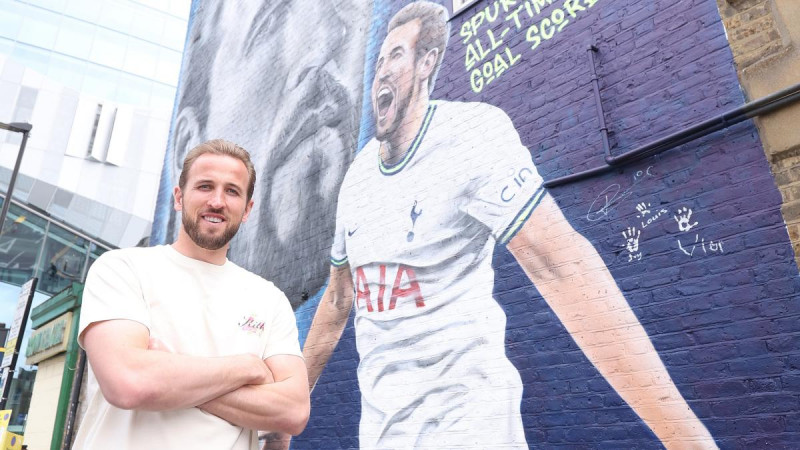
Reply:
x=395, y=168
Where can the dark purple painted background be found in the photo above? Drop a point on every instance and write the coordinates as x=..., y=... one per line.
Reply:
x=726, y=324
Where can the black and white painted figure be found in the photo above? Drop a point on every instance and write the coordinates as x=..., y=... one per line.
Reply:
x=297, y=111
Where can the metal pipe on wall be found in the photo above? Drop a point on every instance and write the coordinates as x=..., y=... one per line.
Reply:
x=74, y=397
x=747, y=111
x=598, y=102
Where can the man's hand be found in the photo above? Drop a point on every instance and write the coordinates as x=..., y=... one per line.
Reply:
x=281, y=403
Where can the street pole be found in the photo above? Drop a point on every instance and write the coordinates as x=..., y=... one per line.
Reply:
x=25, y=129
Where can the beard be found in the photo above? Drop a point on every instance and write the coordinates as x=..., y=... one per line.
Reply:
x=208, y=242
x=403, y=100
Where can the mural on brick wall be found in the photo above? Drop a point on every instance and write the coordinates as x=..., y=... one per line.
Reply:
x=420, y=211
x=459, y=302
x=296, y=111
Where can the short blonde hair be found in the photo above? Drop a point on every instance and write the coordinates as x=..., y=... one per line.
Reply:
x=219, y=147
x=434, y=30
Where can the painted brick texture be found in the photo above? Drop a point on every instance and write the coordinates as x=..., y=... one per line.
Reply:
x=719, y=301
x=694, y=237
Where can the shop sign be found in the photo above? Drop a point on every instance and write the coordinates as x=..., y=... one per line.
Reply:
x=49, y=340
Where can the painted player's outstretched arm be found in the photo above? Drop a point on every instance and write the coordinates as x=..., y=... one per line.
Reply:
x=281, y=405
x=133, y=376
x=575, y=283
x=329, y=322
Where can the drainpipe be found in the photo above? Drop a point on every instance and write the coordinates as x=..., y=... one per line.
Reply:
x=747, y=111
x=599, y=104
x=74, y=396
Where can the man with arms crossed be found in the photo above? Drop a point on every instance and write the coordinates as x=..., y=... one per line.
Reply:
x=188, y=349
x=419, y=213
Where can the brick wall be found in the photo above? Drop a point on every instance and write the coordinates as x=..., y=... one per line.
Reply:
x=694, y=236
x=753, y=31
x=718, y=301
x=764, y=39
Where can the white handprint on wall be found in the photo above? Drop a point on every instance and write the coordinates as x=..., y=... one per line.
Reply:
x=631, y=236
x=643, y=209
x=683, y=217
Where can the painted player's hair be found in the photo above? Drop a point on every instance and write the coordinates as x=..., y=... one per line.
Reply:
x=219, y=147
x=434, y=30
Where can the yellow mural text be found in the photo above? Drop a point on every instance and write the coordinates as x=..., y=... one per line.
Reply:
x=486, y=33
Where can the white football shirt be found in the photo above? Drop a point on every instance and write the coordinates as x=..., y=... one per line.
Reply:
x=418, y=237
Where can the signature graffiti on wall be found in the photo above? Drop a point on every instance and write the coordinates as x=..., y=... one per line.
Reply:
x=487, y=57
x=683, y=219
x=647, y=217
x=611, y=196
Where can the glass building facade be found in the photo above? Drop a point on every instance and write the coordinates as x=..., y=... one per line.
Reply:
x=57, y=57
x=33, y=245
x=119, y=50
x=97, y=81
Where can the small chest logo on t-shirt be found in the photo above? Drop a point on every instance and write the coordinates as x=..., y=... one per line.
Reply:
x=414, y=215
x=251, y=324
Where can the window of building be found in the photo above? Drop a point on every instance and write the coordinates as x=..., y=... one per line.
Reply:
x=63, y=259
x=23, y=111
x=20, y=242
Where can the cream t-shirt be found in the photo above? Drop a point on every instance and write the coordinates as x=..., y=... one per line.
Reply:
x=195, y=308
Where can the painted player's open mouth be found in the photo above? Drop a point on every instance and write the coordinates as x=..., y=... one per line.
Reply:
x=384, y=101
